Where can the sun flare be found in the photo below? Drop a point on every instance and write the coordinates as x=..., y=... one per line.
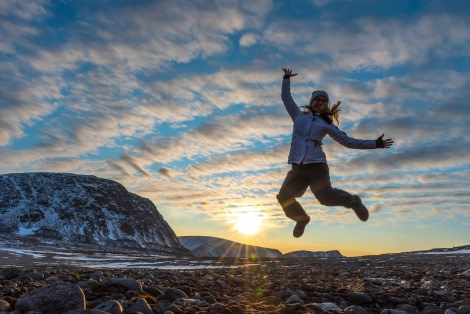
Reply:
x=248, y=222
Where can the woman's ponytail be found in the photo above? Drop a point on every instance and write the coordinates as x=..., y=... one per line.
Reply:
x=332, y=111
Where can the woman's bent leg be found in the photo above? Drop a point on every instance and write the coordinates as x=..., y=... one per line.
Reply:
x=294, y=185
x=322, y=189
x=329, y=196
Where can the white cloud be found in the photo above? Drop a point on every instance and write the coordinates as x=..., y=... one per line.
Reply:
x=25, y=10
x=369, y=43
x=248, y=39
x=320, y=3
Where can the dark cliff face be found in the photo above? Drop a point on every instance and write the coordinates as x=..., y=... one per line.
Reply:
x=82, y=209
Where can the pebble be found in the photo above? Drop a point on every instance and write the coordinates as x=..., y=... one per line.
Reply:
x=111, y=307
x=397, y=285
x=328, y=306
x=4, y=306
x=360, y=297
x=466, y=273
x=140, y=306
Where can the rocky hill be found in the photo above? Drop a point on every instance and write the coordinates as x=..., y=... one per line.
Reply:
x=81, y=209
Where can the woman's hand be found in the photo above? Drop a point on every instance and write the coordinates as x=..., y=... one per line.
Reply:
x=288, y=73
x=381, y=143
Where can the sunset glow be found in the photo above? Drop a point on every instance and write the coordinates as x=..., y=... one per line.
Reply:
x=249, y=222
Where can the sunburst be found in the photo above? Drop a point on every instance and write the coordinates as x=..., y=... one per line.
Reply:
x=248, y=222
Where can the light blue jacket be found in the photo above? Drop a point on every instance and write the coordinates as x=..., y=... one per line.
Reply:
x=309, y=130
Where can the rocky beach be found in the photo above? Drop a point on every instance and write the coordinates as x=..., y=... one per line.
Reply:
x=393, y=284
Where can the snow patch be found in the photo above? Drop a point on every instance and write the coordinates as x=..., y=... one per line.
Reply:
x=463, y=251
x=27, y=231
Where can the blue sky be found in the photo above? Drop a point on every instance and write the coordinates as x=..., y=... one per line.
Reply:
x=180, y=102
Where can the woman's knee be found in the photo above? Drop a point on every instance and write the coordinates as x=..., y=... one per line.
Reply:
x=325, y=200
x=325, y=196
x=285, y=200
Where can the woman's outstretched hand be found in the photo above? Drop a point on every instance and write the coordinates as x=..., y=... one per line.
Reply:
x=288, y=73
x=381, y=143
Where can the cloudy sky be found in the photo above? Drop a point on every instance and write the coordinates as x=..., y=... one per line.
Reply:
x=180, y=102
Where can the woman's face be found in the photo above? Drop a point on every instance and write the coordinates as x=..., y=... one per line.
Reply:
x=318, y=102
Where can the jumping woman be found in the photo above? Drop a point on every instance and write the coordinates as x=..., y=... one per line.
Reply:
x=309, y=167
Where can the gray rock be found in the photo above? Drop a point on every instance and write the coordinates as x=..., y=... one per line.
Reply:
x=294, y=299
x=7, y=290
x=97, y=275
x=466, y=273
x=131, y=294
x=152, y=291
x=4, y=306
x=430, y=284
x=328, y=306
x=33, y=275
x=111, y=307
x=390, y=283
x=355, y=309
x=87, y=284
x=369, y=286
x=126, y=283
x=431, y=309
x=173, y=294
x=464, y=309
x=236, y=281
x=284, y=294
x=393, y=311
x=140, y=306
x=441, y=293
x=9, y=273
x=407, y=308
x=360, y=297
x=85, y=312
x=272, y=300
x=56, y=298
x=218, y=308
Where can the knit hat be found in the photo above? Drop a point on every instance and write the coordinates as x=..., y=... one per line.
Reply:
x=317, y=93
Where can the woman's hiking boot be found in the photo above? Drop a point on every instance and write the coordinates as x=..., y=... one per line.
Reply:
x=359, y=208
x=300, y=227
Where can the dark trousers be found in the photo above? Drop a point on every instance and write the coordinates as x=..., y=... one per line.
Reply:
x=317, y=177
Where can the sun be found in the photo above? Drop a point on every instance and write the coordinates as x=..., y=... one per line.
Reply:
x=248, y=222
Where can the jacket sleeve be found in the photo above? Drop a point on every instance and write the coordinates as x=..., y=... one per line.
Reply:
x=341, y=137
x=288, y=101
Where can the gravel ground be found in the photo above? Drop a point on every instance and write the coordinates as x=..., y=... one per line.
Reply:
x=400, y=283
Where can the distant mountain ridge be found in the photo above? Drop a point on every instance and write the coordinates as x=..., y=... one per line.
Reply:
x=81, y=209
x=204, y=246
x=313, y=254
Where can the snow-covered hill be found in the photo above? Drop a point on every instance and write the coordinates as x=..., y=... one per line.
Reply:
x=216, y=247
x=81, y=209
x=310, y=254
